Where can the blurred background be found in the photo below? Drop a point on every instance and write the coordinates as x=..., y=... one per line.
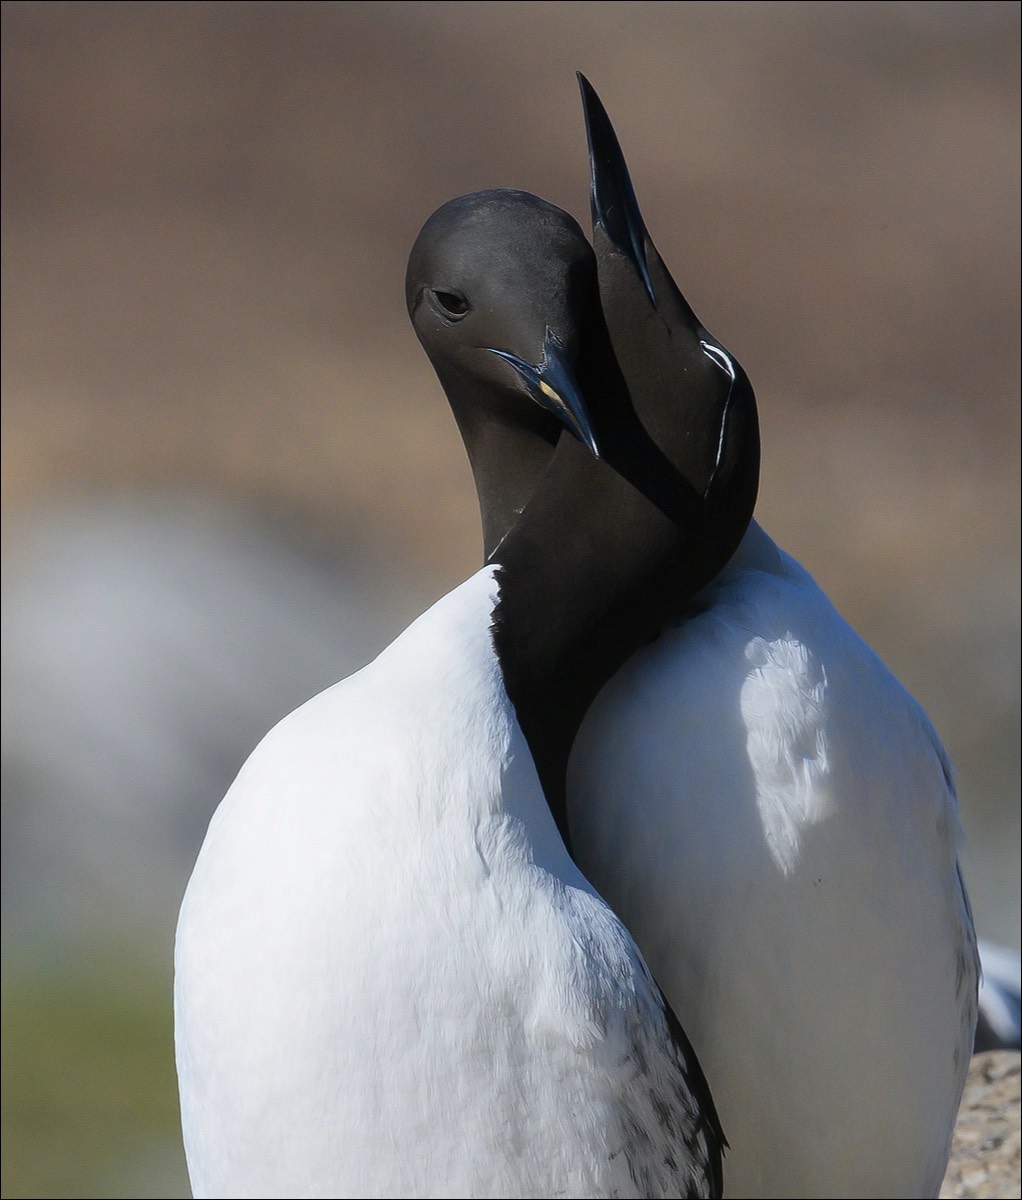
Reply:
x=229, y=477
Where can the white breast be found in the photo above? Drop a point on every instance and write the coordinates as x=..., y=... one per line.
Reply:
x=391, y=980
x=772, y=816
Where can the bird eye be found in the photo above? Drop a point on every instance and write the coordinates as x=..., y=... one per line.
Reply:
x=451, y=305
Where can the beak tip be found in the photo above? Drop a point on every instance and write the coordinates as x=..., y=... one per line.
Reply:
x=612, y=198
x=552, y=386
x=588, y=439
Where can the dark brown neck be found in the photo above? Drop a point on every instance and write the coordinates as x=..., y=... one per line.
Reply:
x=591, y=572
x=507, y=458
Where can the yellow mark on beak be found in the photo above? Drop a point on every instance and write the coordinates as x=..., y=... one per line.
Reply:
x=548, y=391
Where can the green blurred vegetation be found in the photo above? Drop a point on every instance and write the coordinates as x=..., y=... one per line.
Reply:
x=89, y=1093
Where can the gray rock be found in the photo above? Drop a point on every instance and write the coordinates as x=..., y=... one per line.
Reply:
x=985, y=1153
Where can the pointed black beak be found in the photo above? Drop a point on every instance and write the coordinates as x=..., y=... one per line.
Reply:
x=552, y=385
x=690, y=394
x=615, y=212
x=612, y=197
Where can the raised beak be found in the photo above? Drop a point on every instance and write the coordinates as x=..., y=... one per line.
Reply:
x=681, y=380
x=611, y=196
x=552, y=385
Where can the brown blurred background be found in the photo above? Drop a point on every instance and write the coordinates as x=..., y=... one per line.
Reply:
x=230, y=477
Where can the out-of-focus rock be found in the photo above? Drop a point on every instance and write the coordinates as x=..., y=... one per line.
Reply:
x=148, y=644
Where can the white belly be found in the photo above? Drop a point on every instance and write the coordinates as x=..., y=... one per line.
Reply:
x=768, y=812
x=390, y=978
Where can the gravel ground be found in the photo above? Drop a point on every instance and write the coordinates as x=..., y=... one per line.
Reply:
x=985, y=1154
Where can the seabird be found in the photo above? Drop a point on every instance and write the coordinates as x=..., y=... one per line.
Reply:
x=774, y=818
x=391, y=979
x=772, y=815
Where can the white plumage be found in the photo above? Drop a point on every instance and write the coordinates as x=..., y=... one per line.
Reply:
x=392, y=980
x=773, y=817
